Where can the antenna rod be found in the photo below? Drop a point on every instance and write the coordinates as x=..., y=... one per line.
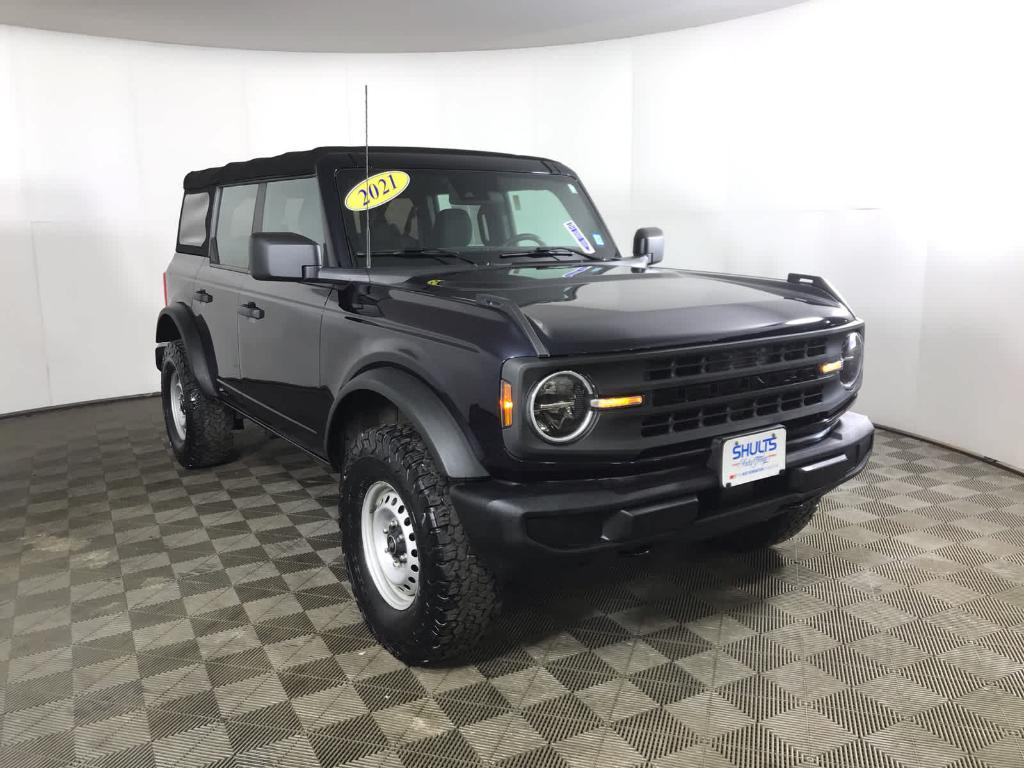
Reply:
x=366, y=180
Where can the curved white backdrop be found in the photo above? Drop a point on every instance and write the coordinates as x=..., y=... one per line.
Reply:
x=876, y=142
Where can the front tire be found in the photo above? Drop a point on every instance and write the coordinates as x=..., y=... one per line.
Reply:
x=199, y=428
x=773, y=531
x=425, y=595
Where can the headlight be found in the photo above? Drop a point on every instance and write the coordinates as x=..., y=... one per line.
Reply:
x=559, y=407
x=853, y=360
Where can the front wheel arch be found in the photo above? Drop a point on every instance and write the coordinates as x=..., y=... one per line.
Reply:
x=415, y=403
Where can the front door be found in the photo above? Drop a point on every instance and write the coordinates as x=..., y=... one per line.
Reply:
x=279, y=324
x=279, y=351
x=216, y=297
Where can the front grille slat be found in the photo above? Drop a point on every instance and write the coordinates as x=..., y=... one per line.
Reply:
x=758, y=357
x=717, y=375
x=727, y=389
x=709, y=415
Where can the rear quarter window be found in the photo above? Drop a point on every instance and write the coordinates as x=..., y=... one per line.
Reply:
x=192, y=232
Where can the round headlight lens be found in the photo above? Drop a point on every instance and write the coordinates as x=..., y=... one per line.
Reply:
x=559, y=406
x=853, y=360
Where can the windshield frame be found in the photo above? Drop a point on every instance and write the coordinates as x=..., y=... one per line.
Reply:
x=350, y=253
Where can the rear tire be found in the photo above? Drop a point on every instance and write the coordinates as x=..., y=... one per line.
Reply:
x=198, y=427
x=440, y=609
x=774, y=531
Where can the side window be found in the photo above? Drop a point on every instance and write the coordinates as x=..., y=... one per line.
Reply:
x=294, y=206
x=234, y=225
x=192, y=224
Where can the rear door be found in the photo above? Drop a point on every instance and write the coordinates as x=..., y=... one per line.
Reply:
x=279, y=328
x=216, y=297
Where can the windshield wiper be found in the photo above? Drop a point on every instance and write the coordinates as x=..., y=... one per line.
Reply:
x=545, y=250
x=435, y=252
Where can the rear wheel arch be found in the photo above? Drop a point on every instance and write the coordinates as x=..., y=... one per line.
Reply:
x=166, y=329
x=394, y=395
x=176, y=322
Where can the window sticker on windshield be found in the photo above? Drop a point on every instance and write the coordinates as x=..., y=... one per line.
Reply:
x=376, y=190
x=572, y=188
x=578, y=235
x=597, y=238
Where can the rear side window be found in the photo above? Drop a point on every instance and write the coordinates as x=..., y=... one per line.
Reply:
x=294, y=205
x=192, y=224
x=234, y=225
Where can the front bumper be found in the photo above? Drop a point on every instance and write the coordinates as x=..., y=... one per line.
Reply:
x=510, y=521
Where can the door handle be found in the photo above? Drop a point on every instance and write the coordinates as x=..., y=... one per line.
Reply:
x=251, y=310
x=203, y=296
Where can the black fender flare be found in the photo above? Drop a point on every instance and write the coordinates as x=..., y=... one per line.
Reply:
x=445, y=440
x=176, y=321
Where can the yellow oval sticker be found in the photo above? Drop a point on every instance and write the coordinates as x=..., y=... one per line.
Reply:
x=376, y=190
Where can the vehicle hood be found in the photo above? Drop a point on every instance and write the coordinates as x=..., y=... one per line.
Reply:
x=603, y=307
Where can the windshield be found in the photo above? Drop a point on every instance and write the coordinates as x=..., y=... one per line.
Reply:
x=477, y=216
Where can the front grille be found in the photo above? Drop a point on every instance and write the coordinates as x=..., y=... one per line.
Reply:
x=723, y=388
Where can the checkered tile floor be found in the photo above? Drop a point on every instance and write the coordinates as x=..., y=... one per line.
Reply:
x=151, y=616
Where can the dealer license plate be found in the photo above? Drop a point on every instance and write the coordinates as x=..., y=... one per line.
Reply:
x=753, y=457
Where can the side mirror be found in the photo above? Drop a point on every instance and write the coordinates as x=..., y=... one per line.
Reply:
x=281, y=255
x=649, y=242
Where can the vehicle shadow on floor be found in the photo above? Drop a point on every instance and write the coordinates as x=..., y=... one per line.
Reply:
x=617, y=599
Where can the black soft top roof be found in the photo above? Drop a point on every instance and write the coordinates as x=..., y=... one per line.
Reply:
x=305, y=163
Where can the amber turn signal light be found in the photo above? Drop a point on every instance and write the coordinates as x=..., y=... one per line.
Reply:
x=831, y=367
x=607, y=403
x=505, y=404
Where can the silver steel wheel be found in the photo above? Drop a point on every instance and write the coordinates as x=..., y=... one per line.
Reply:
x=177, y=395
x=389, y=545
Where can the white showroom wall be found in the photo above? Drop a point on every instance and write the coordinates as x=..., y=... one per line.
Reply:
x=96, y=135
x=876, y=142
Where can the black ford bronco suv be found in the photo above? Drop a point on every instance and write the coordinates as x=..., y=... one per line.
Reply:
x=458, y=334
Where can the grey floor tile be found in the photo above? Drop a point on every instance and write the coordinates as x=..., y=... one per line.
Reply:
x=153, y=617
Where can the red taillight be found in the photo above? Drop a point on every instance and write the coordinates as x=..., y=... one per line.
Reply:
x=165, y=289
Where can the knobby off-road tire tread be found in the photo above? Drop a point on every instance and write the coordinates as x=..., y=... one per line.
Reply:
x=209, y=424
x=773, y=531
x=459, y=592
